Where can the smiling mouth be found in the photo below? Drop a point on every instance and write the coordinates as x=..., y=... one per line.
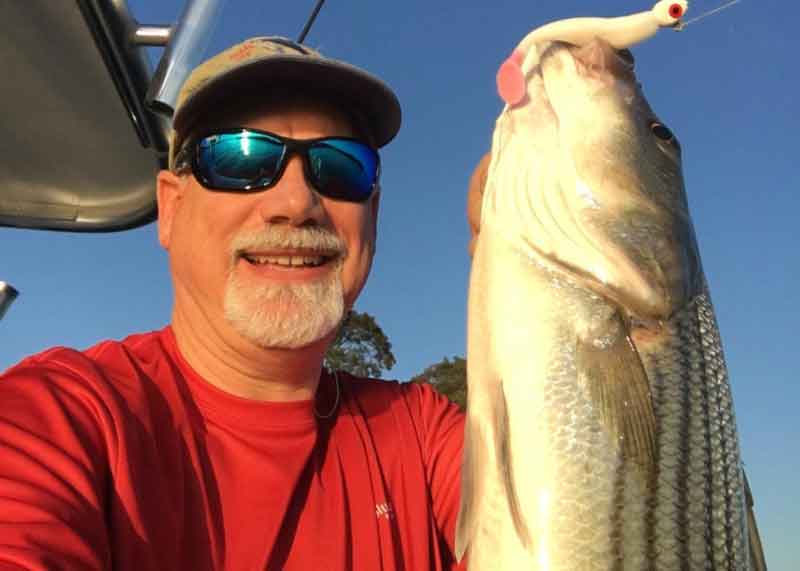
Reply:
x=305, y=260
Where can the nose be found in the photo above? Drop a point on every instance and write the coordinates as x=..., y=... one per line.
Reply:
x=292, y=200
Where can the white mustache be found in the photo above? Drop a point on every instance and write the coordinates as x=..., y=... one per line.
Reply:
x=275, y=237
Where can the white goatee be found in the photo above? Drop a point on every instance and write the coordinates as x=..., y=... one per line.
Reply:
x=285, y=315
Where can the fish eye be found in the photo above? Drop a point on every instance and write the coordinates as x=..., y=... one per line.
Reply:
x=662, y=132
x=664, y=136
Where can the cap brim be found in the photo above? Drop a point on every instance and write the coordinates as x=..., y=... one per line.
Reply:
x=345, y=85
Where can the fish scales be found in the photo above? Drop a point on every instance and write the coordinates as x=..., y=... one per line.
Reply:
x=600, y=432
x=699, y=462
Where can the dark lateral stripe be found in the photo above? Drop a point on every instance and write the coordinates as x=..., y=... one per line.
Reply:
x=686, y=353
x=706, y=390
x=657, y=394
x=716, y=378
x=617, y=529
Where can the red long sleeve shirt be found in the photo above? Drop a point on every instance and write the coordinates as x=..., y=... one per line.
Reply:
x=121, y=457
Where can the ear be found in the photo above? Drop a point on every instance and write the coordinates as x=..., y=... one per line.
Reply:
x=169, y=193
x=374, y=206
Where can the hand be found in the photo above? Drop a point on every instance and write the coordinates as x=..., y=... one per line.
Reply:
x=475, y=198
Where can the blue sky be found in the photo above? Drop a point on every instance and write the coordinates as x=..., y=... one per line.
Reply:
x=727, y=86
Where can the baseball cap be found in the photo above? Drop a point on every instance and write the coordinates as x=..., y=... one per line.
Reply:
x=264, y=62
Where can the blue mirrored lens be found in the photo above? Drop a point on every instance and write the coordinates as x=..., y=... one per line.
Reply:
x=343, y=169
x=239, y=161
x=246, y=160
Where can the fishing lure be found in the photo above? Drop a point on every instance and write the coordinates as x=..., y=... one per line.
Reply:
x=622, y=32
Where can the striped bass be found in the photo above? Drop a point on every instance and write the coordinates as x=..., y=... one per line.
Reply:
x=600, y=425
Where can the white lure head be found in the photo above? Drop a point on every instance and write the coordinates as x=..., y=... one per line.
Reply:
x=669, y=12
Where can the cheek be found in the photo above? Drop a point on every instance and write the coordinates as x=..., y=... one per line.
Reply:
x=195, y=230
x=202, y=238
x=356, y=228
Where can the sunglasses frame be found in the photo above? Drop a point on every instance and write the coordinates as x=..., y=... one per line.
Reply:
x=290, y=146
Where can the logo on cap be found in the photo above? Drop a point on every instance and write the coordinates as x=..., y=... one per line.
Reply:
x=241, y=52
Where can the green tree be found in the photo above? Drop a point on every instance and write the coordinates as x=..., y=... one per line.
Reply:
x=449, y=378
x=361, y=347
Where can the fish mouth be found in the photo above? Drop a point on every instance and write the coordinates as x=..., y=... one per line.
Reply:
x=597, y=60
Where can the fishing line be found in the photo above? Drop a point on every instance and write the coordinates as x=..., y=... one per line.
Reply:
x=682, y=25
x=310, y=21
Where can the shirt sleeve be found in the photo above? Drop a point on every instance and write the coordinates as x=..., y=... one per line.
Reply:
x=52, y=469
x=443, y=438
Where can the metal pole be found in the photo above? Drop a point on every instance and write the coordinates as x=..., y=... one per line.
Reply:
x=188, y=41
x=7, y=294
x=152, y=35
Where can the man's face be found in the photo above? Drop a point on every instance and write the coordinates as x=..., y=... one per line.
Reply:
x=280, y=266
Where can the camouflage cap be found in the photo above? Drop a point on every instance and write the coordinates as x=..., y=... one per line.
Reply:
x=260, y=63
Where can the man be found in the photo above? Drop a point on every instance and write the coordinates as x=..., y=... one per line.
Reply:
x=219, y=442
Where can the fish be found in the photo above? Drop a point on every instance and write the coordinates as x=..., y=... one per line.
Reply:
x=600, y=430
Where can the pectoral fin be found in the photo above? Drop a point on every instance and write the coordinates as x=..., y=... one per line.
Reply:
x=617, y=384
x=465, y=523
x=504, y=462
x=487, y=463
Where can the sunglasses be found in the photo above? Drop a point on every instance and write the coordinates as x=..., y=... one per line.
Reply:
x=249, y=160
